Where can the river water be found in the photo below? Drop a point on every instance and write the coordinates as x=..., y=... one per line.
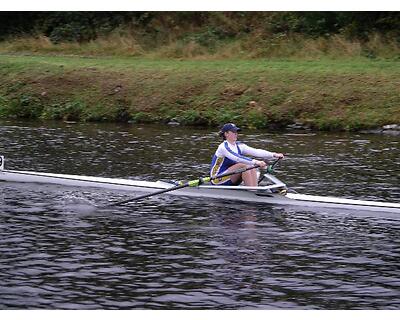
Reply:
x=179, y=253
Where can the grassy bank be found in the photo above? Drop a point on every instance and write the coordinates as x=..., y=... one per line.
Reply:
x=325, y=94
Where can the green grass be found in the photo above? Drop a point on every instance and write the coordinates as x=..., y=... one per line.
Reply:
x=54, y=63
x=325, y=94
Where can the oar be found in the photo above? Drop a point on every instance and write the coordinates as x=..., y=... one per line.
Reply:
x=192, y=183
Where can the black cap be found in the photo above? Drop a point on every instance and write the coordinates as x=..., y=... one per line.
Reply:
x=228, y=127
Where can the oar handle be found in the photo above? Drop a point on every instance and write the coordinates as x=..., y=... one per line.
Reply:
x=270, y=168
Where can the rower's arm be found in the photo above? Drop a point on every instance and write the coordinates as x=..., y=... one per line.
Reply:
x=259, y=153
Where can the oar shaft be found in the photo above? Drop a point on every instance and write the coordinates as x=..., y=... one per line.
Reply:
x=192, y=183
x=148, y=195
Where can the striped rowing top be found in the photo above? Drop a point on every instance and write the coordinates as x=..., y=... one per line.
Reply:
x=229, y=154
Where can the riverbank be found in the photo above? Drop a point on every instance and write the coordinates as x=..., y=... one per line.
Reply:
x=324, y=95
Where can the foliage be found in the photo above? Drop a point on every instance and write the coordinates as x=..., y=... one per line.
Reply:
x=24, y=106
x=143, y=117
x=205, y=28
x=256, y=119
x=203, y=35
x=190, y=117
x=70, y=111
x=66, y=26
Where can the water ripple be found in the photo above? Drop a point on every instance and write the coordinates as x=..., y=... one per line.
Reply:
x=181, y=253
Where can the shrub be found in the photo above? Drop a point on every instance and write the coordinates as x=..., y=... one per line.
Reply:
x=256, y=119
x=192, y=117
x=24, y=106
x=71, y=111
x=142, y=117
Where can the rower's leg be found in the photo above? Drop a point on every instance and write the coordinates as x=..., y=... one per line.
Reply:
x=235, y=178
x=249, y=177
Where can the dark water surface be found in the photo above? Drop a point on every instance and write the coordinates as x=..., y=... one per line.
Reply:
x=180, y=253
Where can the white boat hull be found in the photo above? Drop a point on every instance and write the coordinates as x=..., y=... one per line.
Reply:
x=254, y=195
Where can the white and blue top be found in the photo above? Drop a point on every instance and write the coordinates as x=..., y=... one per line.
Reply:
x=229, y=154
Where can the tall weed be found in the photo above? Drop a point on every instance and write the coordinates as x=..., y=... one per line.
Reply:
x=210, y=45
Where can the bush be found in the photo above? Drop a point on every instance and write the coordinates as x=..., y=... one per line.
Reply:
x=71, y=111
x=192, y=117
x=71, y=33
x=3, y=105
x=256, y=119
x=142, y=117
x=24, y=106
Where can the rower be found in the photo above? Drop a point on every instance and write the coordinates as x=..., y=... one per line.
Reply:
x=1, y=163
x=232, y=155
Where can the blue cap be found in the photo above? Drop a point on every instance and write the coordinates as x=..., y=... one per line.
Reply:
x=229, y=127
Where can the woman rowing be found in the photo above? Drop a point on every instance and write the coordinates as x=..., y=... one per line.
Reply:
x=232, y=155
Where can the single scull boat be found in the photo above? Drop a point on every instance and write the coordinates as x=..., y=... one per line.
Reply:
x=274, y=193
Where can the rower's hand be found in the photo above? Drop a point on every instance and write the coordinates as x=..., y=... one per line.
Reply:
x=262, y=164
x=279, y=155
